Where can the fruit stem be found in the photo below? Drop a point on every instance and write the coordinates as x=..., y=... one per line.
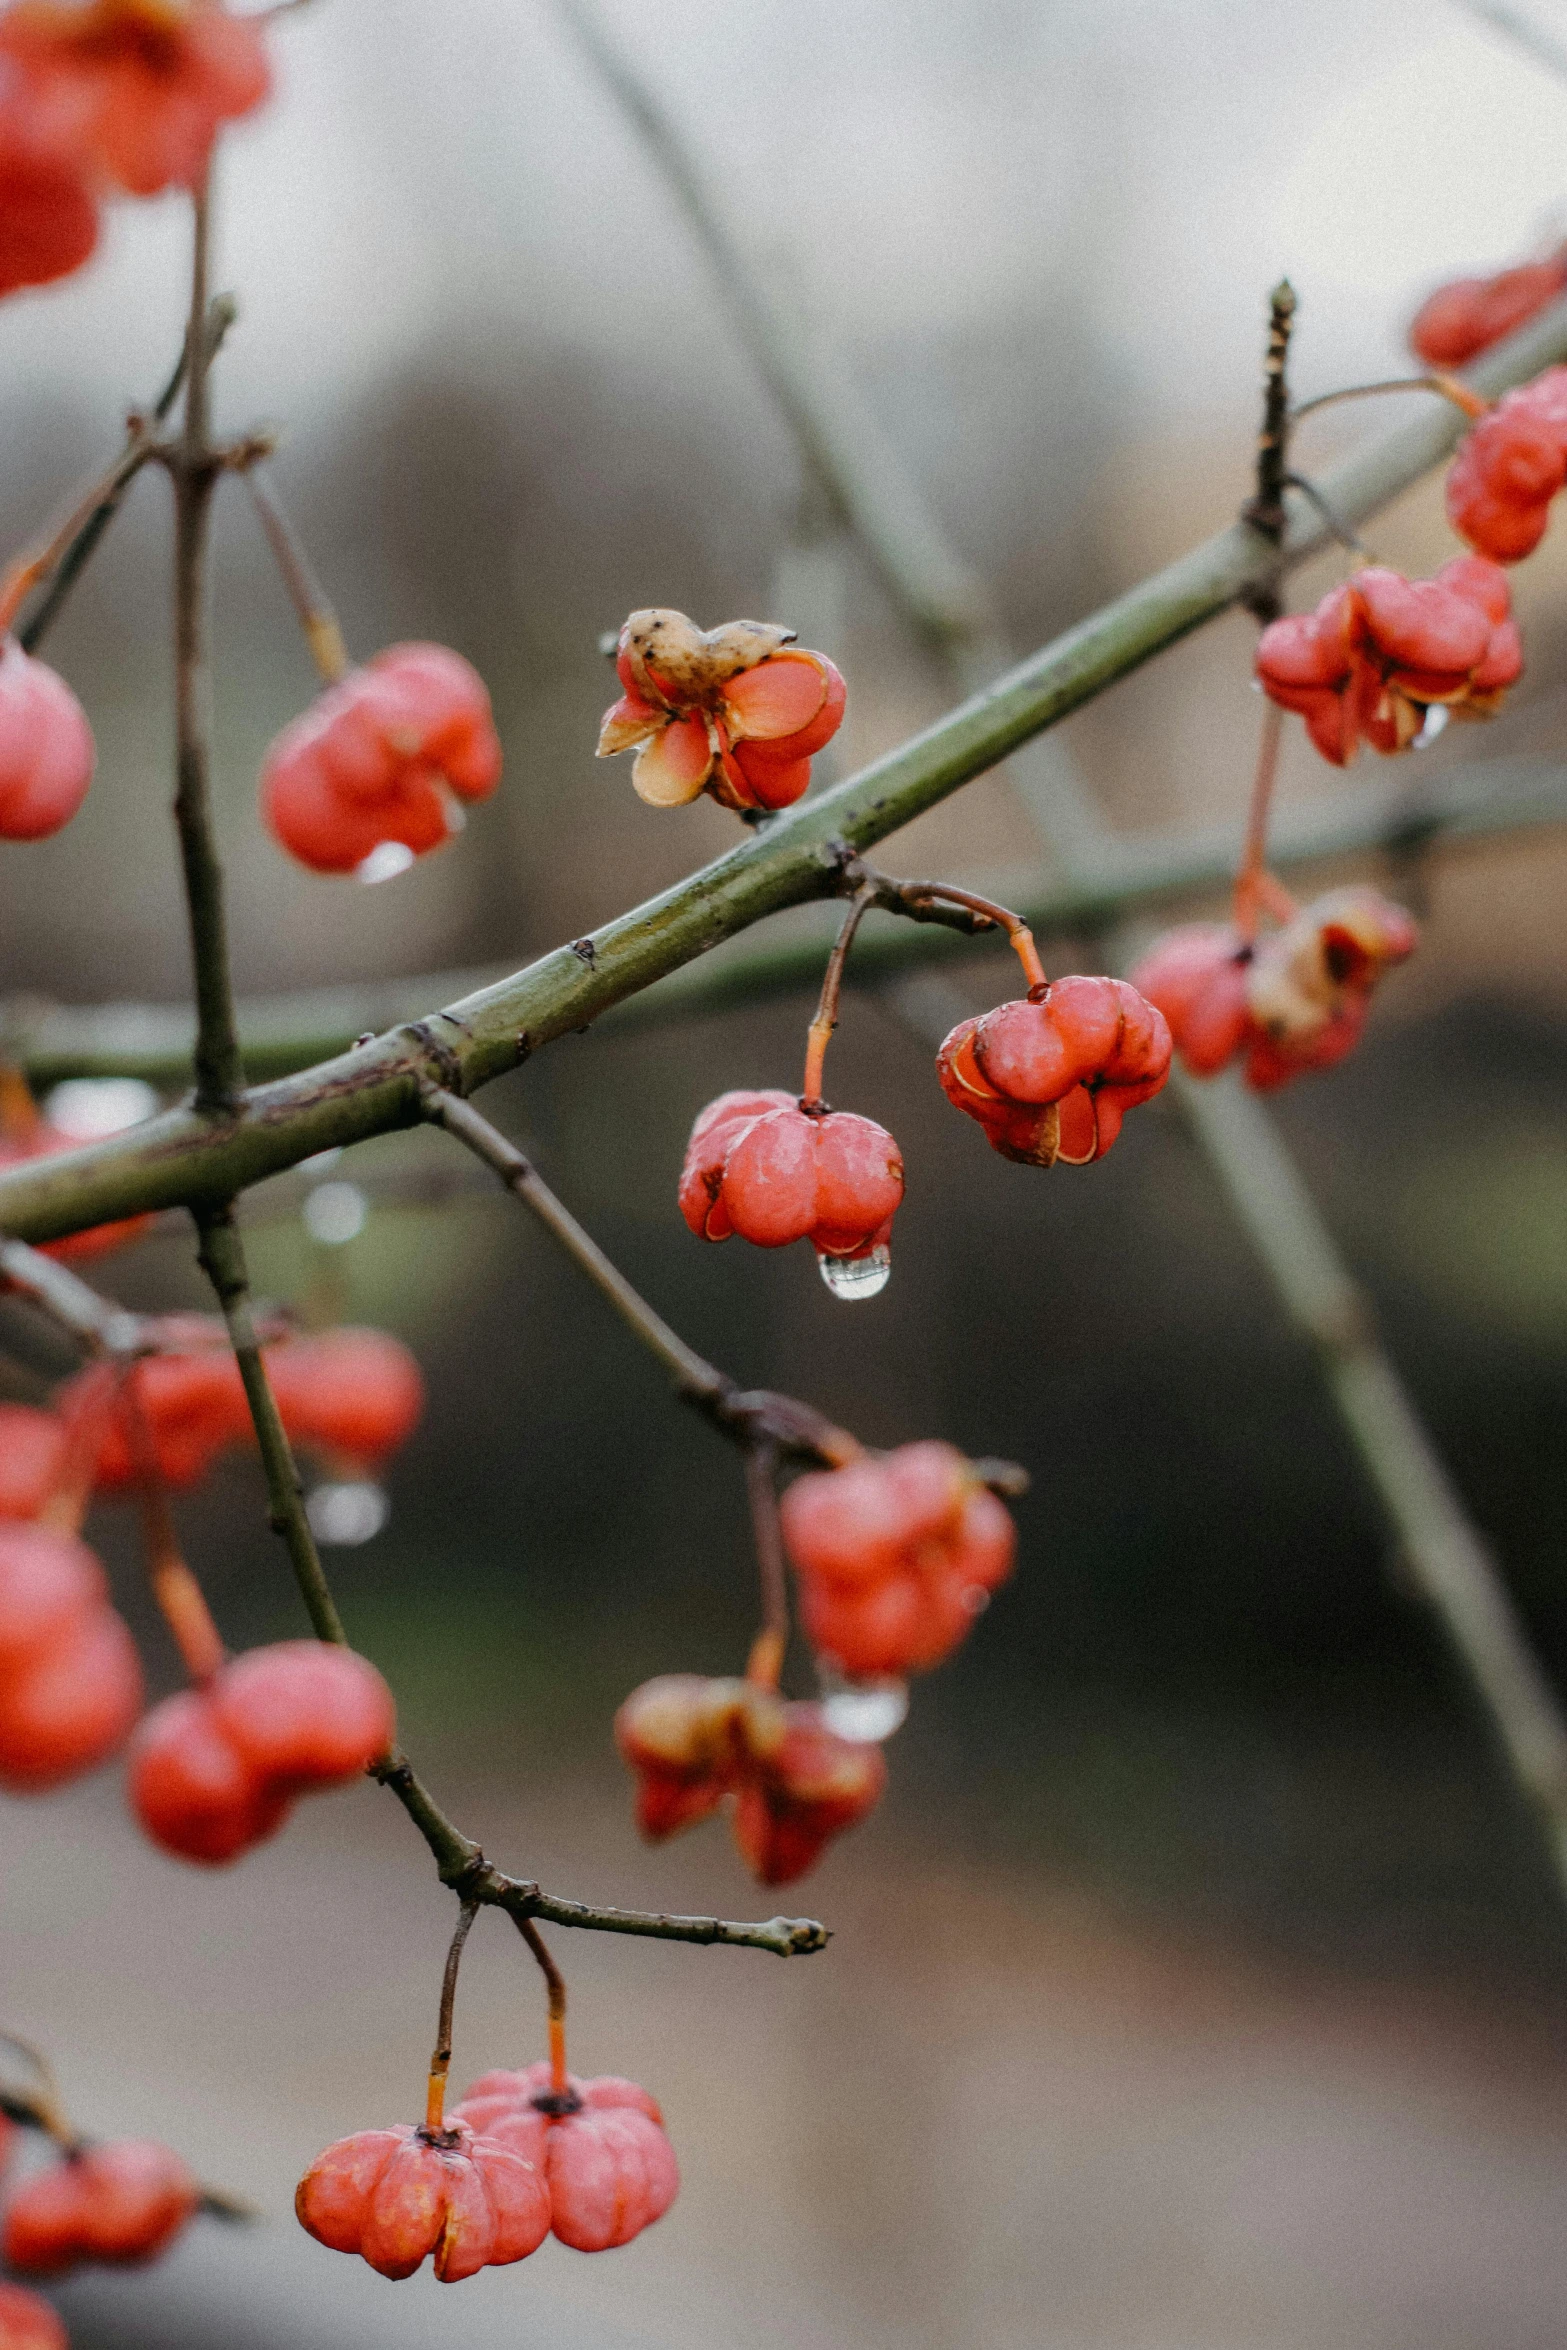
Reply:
x=765, y=1662
x=441, y=2060
x=743, y=1415
x=555, y=1984
x=1019, y=937
x=305, y=592
x=180, y=1598
x=20, y=1116
x=66, y=1506
x=819, y=1035
x=1256, y=889
x=1447, y=387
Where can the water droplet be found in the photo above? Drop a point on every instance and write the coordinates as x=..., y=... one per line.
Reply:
x=853, y=1278
x=386, y=860
x=88, y=1107
x=976, y=1599
x=348, y=1513
x=865, y=1711
x=1435, y=720
x=335, y=1213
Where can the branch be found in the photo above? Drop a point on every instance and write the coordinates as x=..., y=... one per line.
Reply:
x=1445, y=1556
x=1124, y=873
x=460, y=1863
x=93, y=1321
x=193, y=466
x=750, y=1416
x=1524, y=33
x=836, y=431
x=76, y=557
x=184, y=1158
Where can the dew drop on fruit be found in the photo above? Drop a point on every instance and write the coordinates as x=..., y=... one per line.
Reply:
x=386, y=860
x=865, y=1711
x=346, y=1513
x=852, y=1278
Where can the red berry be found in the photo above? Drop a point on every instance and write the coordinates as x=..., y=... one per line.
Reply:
x=895, y=1556
x=684, y=1737
x=46, y=748
x=1296, y=1002
x=810, y=1787
x=216, y=1770
x=146, y=84
x=193, y=1405
x=356, y=1394
x=32, y=1453
x=398, y=2196
x=737, y=711
x=376, y=759
x=1460, y=320
x=1051, y=1080
x=760, y=1166
x=1379, y=652
x=120, y=2204
x=1509, y=468
x=610, y=2170
x=70, y=1678
x=1197, y=977
x=26, y=2323
x=48, y=213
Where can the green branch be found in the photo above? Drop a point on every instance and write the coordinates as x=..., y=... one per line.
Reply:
x=185, y=1158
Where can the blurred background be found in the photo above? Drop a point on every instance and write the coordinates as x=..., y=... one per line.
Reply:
x=1202, y=1981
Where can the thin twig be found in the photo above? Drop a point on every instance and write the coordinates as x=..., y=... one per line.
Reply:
x=1265, y=511
x=913, y=898
x=1444, y=1554
x=93, y=1321
x=1337, y=526
x=745, y=1415
x=842, y=441
x=1524, y=33
x=220, y=1071
x=315, y=615
x=73, y=562
x=459, y=1861
x=1447, y=387
x=222, y=1259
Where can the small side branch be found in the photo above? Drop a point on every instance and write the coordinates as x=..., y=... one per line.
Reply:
x=220, y=1071
x=1265, y=511
x=222, y=1259
x=794, y=1427
x=459, y=1861
x=89, y=528
x=93, y=1321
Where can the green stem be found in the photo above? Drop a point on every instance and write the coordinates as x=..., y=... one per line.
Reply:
x=220, y=1071
x=181, y=1159
x=222, y=1259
